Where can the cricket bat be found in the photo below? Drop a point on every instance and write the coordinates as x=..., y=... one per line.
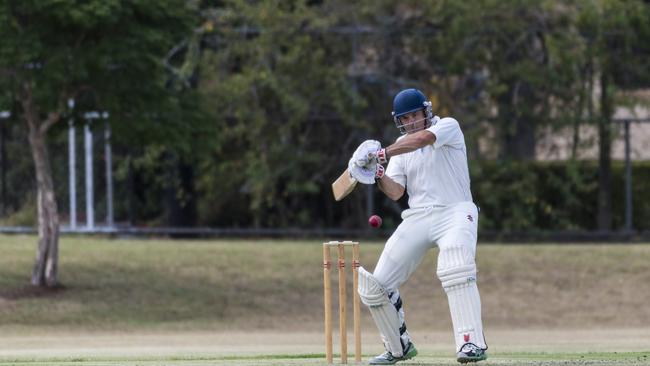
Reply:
x=343, y=185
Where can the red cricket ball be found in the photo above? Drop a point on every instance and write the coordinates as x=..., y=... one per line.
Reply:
x=374, y=221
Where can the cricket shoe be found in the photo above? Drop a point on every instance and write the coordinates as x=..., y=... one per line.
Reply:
x=470, y=352
x=387, y=358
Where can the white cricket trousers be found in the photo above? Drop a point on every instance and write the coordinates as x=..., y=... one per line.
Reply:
x=449, y=227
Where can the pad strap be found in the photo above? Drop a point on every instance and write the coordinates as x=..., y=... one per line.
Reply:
x=458, y=275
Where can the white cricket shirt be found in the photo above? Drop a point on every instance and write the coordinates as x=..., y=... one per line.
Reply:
x=435, y=174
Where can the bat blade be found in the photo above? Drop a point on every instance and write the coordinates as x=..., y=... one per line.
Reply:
x=343, y=185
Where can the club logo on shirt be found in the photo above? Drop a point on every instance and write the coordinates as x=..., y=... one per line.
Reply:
x=470, y=218
x=466, y=337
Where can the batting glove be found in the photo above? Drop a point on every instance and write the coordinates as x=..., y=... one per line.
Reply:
x=380, y=171
x=365, y=155
x=379, y=156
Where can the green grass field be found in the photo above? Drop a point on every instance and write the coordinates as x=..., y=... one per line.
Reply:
x=245, y=302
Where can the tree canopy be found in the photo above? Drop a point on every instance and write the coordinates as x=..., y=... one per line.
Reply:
x=239, y=113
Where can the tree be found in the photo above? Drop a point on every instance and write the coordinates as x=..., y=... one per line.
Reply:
x=616, y=36
x=276, y=76
x=105, y=54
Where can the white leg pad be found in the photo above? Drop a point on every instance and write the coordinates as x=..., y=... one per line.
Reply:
x=457, y=272
x=383, y=312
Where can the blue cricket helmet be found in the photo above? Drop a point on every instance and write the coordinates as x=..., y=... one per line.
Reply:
x=408, y=101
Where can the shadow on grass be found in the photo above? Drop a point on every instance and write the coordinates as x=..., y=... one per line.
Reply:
x=30, y=292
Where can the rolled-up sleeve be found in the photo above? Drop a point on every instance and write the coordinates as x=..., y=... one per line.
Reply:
x=447, y=131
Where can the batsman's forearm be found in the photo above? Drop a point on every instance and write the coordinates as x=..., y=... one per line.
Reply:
x=410, y=143
x=391, y=188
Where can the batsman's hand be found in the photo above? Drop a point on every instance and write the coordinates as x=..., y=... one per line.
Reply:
x=379, y=156
x=365, y=174
x=366, y=153
x=380, y=171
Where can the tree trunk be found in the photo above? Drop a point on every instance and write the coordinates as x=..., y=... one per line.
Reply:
x=181, y=197
x=518, y=132
x=520, y=144
x=45, y=271
x=604, y=158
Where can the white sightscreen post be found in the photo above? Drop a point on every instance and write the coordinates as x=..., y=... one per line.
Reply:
x=72, y=167
x=628, y=179
x=4, y=115
x=109, y=171
x=90, y=211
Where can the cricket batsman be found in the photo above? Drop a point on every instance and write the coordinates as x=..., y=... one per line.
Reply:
x=429, y=162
